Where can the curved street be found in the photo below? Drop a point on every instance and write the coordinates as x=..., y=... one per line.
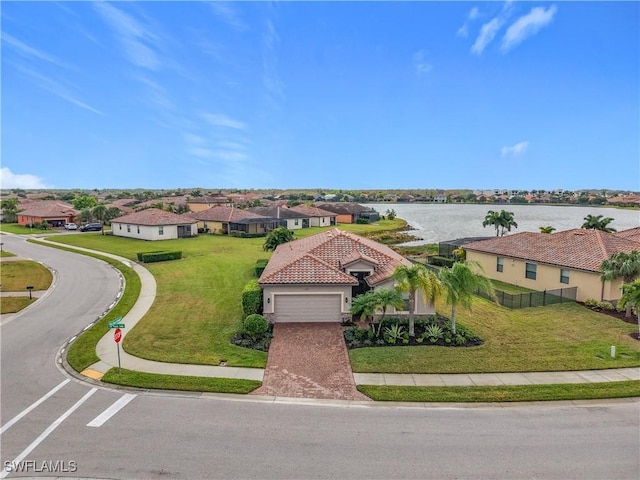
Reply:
x=54, y=425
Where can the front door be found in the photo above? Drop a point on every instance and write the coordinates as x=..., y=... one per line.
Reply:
x=362, y=286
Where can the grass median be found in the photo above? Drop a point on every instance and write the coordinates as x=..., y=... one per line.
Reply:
x=506, y=393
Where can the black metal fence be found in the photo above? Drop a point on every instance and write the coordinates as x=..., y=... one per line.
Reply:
x=533, y=299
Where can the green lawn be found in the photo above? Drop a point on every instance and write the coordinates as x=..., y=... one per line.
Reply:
x=557, y=337
x=20, y=230
x=4, y=253
x=16, y=275
x=197, y=308
x=509, y=288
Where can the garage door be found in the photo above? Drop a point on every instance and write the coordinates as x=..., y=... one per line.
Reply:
x=307, y=308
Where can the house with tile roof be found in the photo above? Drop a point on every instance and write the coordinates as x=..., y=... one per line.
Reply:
x=348, y=212
x=316, y=217
x=315, y=278
x=225, y=220
x=543, y=261
x=54, y=212
x=293, y=219
x=154, y=224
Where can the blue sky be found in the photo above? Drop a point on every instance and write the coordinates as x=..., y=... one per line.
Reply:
x=333, y=95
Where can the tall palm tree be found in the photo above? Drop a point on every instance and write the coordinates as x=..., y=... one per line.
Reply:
x=385, y=298
x=547, y=229
x=492, y=218
x=459, y=284
x=414, y=278
x=596, y=222
x=621, y=264
x=506, y=222
x=631, y=298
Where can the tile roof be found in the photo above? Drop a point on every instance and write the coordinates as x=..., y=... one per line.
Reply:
x=48, y=208
x=312, y=211
x=155, y=217
x=579, y=248
x=318, y=260
x=630, y=234
x=276, y=211
x=343, y=208
x=226, y=214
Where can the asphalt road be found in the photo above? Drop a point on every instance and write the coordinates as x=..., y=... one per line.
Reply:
x=81, y=431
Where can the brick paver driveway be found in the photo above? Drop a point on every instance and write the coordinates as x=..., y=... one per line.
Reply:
x=309, y=360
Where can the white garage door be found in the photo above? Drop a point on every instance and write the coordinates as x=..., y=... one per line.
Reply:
x=307, y=308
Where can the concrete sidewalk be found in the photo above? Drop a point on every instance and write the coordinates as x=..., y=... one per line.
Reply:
x=107, y=352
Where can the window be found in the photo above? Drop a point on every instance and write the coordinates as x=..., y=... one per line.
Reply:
x=530, y=271
x=405, y=301
x=564, y=275
x=160, y=230
x=295, y=222
x=128, y=228
x=120, y=226
x=500, y=264
x=138, y=226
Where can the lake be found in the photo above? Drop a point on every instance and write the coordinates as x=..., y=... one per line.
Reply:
x=437, y=222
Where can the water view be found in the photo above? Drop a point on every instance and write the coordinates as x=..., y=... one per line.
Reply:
x=437, y=222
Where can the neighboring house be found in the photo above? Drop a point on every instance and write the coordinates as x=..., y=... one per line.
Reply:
x=543, y=261
x=294, y=220
x=54, y=212
x=198, y=204
x=315, y=278
x=154, y=224
x=232, y=220
x=317, y=217
x=347, y=212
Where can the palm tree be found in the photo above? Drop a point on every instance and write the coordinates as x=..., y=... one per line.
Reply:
x=596, y=222
x=547, y=229
x=414, y=278
x=364, y=305
x=506, y=222
x=631, y=298
x=492, y=218
x=385, y=298
x=621, y=264
x=459, y=284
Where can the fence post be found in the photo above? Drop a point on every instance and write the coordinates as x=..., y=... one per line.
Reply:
x=544, y=298
x=530, y=298
x=561, y=299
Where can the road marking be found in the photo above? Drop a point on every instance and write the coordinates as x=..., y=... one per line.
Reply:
x=6, y=471
x=10, y=423
x=112, y=410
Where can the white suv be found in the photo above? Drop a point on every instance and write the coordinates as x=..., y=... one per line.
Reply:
x=70, y=226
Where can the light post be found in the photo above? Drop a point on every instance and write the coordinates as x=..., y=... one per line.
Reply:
x=1, y=244
x=30, y=287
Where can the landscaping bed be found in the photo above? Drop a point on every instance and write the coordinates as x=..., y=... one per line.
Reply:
x=435, y=331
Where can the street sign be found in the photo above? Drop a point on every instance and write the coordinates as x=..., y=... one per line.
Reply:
x=117, y=335
x=116, y=323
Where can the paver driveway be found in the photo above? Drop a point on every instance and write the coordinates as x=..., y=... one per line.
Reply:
x=309, y=360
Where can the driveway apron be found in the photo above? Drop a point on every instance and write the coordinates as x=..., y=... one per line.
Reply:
x=309, y=360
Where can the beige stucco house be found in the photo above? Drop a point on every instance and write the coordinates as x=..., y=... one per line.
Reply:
x=314, y=279
x=542, y=261
x=229, y=220
x=154, y=224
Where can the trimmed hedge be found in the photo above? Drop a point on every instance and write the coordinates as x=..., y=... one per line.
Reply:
x=251, y=298
x=441, y=261
x=140, y=254
x=160, y=256
x=260, y=266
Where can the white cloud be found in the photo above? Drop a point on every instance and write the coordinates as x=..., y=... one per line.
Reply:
x=8, y=179
x=527, y=25
x=28, y=51
x=420, y=64
x=132, y=35
x=515, y=150
x=487, y=34
x=220, y=120
x=228, y=14
x=463, y=31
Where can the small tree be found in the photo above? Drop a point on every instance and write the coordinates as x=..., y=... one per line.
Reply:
x=364, y=305
x=621, y=264
x=631, y=298
x=596, y=222
x=547, y=229
x=277, y=237
x=414, y=278
x=385, y=298
x=492, y=218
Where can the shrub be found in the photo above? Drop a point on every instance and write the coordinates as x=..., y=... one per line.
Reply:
x=255, y=325
x=140, y=254
x=251, y=298
x=394, y=333
x=433, y=332
x=160, y=256
x=260, y=266
x=441, y=261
